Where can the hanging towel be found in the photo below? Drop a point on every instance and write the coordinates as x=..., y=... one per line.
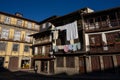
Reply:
x=74, y=47
x=66, y=48
x=60, y=47
x=55, y=35
x=70, y=47
x=55, y=48
x=72, y=31
x=78, y=45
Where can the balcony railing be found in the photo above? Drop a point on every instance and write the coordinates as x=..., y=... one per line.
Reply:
x=38, y=56
x=103, y=25
x=111, y=47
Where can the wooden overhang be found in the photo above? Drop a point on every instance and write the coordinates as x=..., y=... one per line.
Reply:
x=61, y=20
x=99, y=13
x=42, y=33
x=43, y=58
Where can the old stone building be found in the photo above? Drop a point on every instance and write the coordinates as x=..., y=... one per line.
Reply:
x=80, y=42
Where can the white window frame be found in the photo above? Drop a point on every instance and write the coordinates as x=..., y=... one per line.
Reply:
x=17, y=35
x=19, y=22
x=5, y=33
x=29, y=25
x=7, y=20
x=27, y=38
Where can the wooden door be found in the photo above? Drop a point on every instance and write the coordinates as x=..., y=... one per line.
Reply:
x=44, y=66
x=13, y=63
x=81, y=65
x=118, y=63
x=95, y=62
x=1, y=61
x=51, y=67
x=108, y=64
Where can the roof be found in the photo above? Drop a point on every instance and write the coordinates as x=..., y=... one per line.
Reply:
x=102, y=11
x=48, y=19
x=40, y=33
x=17, y=17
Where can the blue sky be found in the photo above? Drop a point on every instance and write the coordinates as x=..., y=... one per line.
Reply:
x=39, y=10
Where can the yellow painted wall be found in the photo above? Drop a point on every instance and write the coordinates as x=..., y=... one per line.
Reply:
x=20, y=53
x=13, y=21
x=9, y=49
x=2, y=18
x=6, y=62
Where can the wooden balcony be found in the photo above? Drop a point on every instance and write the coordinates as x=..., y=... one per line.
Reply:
x=43, y=42
x=113, y=47
x=104, y=26
x=19, y=41
x=40, y=56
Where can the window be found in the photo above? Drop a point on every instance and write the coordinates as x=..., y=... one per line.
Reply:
x=7, y=20
x=26, y=48
x=29, y=25
x=27, y=38
x=5, y=33
x=60, y=61
x=70, y=62
x=17, y=35
x=37, y=27
x=2, y=46
x=15, y=47
x=43, y=50
x=19, y=22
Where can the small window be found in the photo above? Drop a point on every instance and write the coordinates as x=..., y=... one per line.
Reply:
x=27, y=38
x=2, y=46
x=60, y=61
x=4, y=33
x=17, y=35
x=19, y=22
x=15, y=47
x=37, y=27
x=70, y=62
x=7, y=20
x=26, y=48
x=29, y=25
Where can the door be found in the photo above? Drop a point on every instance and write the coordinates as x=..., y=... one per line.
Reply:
x=1, y=61
x=44, y=66
x=108, y=64
x=81, y=65
x=95, y=63
x=118, y=63
x=51, y=67
x=13, y=63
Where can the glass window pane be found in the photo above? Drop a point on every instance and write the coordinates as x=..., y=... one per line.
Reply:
x=15, y=47
x=5, y=33
x=7, y=20
x=17, y=35
x=3, y=46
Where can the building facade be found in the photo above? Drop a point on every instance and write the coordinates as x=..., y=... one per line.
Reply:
x=102, y=40
x=15, y=51
x=80, y=42
x=42, y=48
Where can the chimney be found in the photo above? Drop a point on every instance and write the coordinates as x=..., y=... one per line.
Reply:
x=18, y=14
